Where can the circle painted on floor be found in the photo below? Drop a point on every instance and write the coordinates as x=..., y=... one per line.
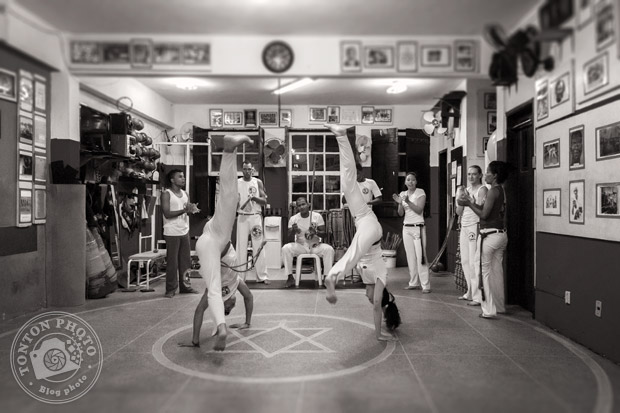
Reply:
x=278, y=348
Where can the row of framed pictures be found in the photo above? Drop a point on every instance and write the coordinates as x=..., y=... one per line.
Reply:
x=606, y=201
x=284, y=118
x=139, y=53
x=409, y=56
x=607, y=146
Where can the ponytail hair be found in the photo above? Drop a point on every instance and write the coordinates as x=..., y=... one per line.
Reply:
x=392, y=315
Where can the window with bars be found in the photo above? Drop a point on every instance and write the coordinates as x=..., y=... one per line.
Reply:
x=247, y=152
x=314, y=166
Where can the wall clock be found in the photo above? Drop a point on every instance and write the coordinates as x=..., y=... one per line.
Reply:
x=278, y=57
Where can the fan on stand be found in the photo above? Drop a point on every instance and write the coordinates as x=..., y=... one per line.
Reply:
x=274, y=152
x=432, y=123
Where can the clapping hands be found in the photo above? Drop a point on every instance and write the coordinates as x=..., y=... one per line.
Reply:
x=192, y=208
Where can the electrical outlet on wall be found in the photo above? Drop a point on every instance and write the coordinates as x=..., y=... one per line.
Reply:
x=566, y=297
x=598, y=308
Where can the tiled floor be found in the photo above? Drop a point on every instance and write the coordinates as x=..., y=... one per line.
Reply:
x=305, y=355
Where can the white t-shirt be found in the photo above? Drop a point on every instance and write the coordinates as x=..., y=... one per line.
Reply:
x=304, y=225
x=178, y=225
x=469, y=217
x=412, y=217
x=369, y=189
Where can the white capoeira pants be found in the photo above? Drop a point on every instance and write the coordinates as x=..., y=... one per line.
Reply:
x=368, y=229
x=418, y=272
x=468, y=241
x=245, y=223
x=492, y=251
x=293, y=249
x=216, y=234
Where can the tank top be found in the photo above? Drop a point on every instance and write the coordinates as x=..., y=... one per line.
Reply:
x=496, y=217
x=412, y=217
x=469, y=217
x=178, y=225
x=247, y=189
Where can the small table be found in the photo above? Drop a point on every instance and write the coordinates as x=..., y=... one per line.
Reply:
x=147, y=258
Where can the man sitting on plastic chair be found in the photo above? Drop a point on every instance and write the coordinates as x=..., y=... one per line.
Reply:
x=306, y=229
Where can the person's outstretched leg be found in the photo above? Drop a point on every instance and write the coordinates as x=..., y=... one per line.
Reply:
x=368, y=228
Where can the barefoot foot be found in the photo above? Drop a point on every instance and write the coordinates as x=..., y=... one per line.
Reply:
x=220, y=339
x=336, y=129
x=330, y=285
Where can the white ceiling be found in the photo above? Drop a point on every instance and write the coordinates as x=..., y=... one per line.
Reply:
x=286, y=18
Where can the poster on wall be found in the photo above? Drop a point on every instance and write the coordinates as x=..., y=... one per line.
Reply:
x=559, y=90
x=24, y=204
x=576, y=157
x=25, y=166
x=40, y=167
x=605, y=24
x=26, y=129
x=607, y=200
x=26, y=91
x=542, y=99
x=350, y=115
x=40, y=93
x=576, y=191
x=551, y=154
x=368, y=115
x=552, y=201
x=40, y=131
x=39, y=206
x=8, y=85
x=595, y=73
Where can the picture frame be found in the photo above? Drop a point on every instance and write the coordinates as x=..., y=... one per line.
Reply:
x=542, y=99
x=197, y=54
x=40, y=167
x=8, y=85
x=368, y=115
x=350, y=115
x=595, y=73
x=40, y=95
x=379, y=57
x=491, y=122
x=233, y=118
x=465, y=55
x=607, y=200
x=559, y=90
x=605, y=24
x=552, y=202
x=551, y=154
x=317, y=114
x=383, y=115
x=24, y=206
x=141, y=53
x=607, y=141
x=350, y=56
x=26, y=129
x=26, y=91
x=286, y=118
x=576, y=206
x=167, y=53
x=115, y=53
x=435, y=56
x=249, y=115
x=39, y=204
x=407, y=57
x=25, y=166
x=584, y=13
x=268, y=118
x=576, y=149
x=216, y=117
x=490, y=101
x=333, y=114
x=85, y=52
x=40, y=131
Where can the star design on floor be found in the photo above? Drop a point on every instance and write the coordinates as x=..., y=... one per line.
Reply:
x=290, y=348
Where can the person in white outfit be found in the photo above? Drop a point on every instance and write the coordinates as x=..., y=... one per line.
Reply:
x=468, y=239
x=411, y=204
x=250, y=221
x=304, y=228
x=365, y=249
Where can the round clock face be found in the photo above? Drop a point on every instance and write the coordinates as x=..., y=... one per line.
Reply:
x=278, y=57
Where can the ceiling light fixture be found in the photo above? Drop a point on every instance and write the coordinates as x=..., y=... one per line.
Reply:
x=187, y=83
x=396, y=87
x=292, y=86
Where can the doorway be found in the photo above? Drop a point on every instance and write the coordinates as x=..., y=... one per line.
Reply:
x=520, y=213
x=443, y=201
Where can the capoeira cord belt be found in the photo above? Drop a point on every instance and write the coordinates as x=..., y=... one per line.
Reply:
x=244, y=264
x=483, y=235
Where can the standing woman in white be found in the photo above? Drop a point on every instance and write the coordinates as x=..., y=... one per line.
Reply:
x=468, y=240
x=411, y=204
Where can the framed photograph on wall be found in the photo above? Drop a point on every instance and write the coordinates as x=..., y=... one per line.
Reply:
x=39, y=204
x=595, y=73
x=286, y=118
x=250, y=117
x=317, y=115
x=542, y=99
x=197, y=54
x=26, y=91
x=490, y=101
x=24, y=204
x=551, y=154
x=379, y=57
x=26, y=129
x=85, y=52
x=40, y=95
x=608, y=141
x=40, y=131
x=333, y=114
x=167, y=53
x=491, y=122
x=350, y=56
x=233, y=118
x=465, y=56
x=383, y=115
x=40, y=167
x=216, y=118
x=8, y=85
x=407, y=56
x=268, y=118
x=552, y=202
x=576, y=193
x=559, y=90
x=435, y=56
x=25, y=166
x=605, y=25
x=350, y=115
x=115, y=53
x=141, y=53
x=576, y=155
x=607, y=200
x=368, y=115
